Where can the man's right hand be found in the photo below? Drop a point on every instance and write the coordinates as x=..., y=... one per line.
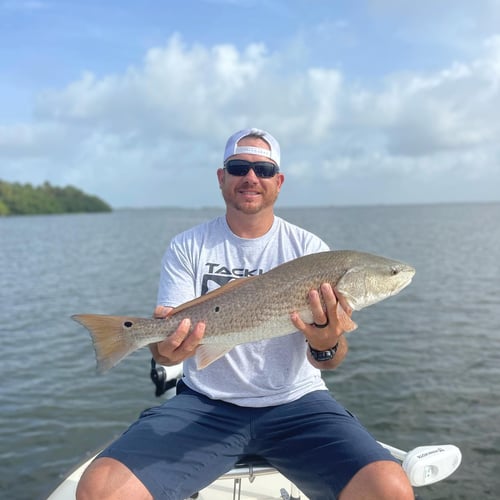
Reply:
x=181, y=344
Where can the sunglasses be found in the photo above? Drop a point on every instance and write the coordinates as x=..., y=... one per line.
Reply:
x=240, y=168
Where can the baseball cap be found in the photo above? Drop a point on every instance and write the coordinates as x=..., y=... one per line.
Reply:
x=232, y=147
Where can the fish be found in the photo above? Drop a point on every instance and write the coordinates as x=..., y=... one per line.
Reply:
x=257, y=307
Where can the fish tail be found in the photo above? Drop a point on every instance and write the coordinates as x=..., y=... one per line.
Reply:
x=109, y=336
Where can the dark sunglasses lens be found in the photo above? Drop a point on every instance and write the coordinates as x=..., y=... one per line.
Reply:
x=264, y=169
x=240, y=168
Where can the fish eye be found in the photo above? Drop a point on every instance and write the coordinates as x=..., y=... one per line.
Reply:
x=217, y=309
x=128, y=324
x=394, y=271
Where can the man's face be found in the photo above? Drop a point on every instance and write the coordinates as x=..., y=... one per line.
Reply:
x=249, y=194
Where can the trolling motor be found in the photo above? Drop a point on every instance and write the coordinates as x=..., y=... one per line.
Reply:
x=164, y=377
x=426, y=465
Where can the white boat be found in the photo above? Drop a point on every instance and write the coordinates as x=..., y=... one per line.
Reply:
x=258, y=480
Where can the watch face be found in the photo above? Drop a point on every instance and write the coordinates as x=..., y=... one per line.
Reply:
x=326, y=355
x=322, y=355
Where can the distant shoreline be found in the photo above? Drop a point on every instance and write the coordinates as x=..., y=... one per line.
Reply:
x=26, y=199
x=309, y=207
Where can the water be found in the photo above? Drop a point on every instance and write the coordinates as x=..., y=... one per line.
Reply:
x=423, y=367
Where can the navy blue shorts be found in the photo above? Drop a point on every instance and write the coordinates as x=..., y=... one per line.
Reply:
x=182, y=446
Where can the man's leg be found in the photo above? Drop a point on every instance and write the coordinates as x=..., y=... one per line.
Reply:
x=171, y=452
x=379, y=480
x=327, y=453
x=106, y=478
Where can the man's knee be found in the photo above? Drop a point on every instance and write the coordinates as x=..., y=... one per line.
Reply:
x=106, y=478
x=382, y=480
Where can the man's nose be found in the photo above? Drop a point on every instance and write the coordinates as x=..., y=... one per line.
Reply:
x=251, y=175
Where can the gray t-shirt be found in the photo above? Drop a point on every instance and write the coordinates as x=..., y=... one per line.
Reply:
x=264, y=373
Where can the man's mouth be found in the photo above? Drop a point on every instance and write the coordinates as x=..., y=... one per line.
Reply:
x=246, y=192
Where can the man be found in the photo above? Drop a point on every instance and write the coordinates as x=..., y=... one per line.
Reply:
x=263, y=398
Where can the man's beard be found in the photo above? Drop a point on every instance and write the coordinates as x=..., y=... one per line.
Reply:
x=250, y=208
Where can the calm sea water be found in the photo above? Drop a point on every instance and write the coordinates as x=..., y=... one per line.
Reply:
x=424, y=367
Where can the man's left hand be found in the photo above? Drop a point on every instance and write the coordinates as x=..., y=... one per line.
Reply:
x=331, y=318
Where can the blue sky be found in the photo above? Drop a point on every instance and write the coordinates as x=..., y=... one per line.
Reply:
x=373, y=102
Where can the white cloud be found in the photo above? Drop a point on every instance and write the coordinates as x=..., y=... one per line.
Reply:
x=165, y=121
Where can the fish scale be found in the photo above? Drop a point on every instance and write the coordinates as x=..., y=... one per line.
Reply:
x=254, y=308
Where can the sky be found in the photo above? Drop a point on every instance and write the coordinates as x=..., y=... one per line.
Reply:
x=373, y=102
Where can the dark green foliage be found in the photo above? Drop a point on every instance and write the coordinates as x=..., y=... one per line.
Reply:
x=23, y=199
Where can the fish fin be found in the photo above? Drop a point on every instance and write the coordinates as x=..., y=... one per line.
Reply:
x=206, y=354
x=109, y=336
x=214, y=293
x=344, y=319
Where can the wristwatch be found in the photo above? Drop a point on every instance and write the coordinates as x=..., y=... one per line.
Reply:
x=324, y=355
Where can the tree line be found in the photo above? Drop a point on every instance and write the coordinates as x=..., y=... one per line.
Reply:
x=24, y=199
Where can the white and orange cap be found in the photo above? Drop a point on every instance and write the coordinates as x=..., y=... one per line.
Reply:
x=232, y=147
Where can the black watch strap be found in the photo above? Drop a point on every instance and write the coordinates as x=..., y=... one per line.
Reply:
x=324, y=355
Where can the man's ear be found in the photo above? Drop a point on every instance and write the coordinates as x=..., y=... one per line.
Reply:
x=220, y=176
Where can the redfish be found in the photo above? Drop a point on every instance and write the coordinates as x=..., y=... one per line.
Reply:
x=255, y=308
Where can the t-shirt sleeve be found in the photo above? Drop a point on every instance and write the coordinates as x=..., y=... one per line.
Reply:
x=177, y=281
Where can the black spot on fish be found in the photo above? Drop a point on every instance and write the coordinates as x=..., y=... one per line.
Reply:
x=128, y=324
x=217, y=309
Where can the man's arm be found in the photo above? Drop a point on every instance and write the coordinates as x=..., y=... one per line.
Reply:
x=333, y=320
